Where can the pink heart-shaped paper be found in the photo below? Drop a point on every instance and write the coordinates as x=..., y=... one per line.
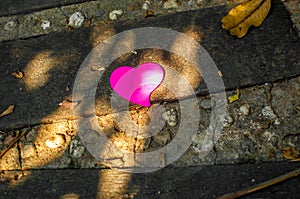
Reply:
x=137, y=84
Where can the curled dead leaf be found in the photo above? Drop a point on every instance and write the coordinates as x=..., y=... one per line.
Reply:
x=88, y=23
x=240, y=18
x=19, y=74
x=69, y=104
x=9, y=110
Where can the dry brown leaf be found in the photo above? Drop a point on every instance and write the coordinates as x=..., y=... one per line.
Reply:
x=68, y=104
x=291, y=153
x=19, y=74
x=240, y=18
x=9, y=110
x=88, y=23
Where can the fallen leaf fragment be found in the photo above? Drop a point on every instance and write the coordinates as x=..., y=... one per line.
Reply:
x=68, y=104
x=19, y=74
x=240, y=18
x=9, y=110
x=234, y=97
x=291, y=153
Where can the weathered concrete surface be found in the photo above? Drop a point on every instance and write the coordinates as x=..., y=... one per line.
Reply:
x=190, y=182
x=257, y=135
x=262, y=126
x=95, y=12
x=51, y=62
x=21, y=6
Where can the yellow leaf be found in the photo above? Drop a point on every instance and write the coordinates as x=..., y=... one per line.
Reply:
x=240, y=18
x=9, y=110
x=234, y=97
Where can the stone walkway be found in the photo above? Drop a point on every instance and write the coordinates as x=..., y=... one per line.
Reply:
x=262, y=125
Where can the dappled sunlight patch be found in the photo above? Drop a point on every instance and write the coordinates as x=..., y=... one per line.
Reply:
x=114, y=184
x=46, y=147
x=37, y=70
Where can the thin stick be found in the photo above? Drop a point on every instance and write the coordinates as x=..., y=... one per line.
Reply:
x=12, y=144
x=261, y=185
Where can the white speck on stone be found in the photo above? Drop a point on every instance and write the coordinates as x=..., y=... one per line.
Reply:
x=277, y=122
x=76, y=149
x=45, y=24
x=28, y=151
x=200, y=1
x=171, y=117
x=268, y=113
x=268, y=135
x=228, y=121
x=190, y=3
x=169, y=4
x=245, y=109
x=56, y=141
x=10, y=25
x=76, y=20
x=113, y=15
x=146, y=5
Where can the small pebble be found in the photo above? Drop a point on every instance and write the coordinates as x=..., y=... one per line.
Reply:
x=76, y=20
x=113, y=15
x=76, y=149
x=277, y=122
x=228, y=121
x=169, y=4
x=56, y=141
x=245, y=109
x=190, y=3
x=28, y=151
x=206, y=104
x=146, y=5
x=171, y=117
x=45, y=24
x=10, y=25
x=268, y=113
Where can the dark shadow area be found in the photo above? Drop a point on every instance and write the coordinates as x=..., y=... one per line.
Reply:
x=190, y=182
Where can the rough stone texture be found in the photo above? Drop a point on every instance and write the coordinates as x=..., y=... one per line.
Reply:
x=249, y=137
x=96, y=12
x=260, y=126
x=50, y=68
x=10, y=161
x=43, y=155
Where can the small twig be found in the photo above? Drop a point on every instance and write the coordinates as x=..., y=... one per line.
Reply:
x=261, y=185
x=3, y=152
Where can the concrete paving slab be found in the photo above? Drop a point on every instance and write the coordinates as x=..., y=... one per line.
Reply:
x=189, y=182
x=26, y=6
